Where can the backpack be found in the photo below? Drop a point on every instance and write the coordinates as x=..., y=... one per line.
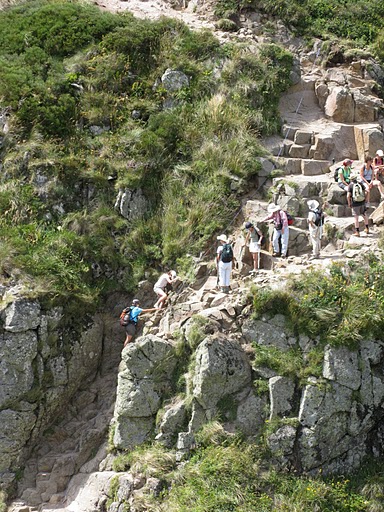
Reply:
x=125, y=316
x=226, y=253
x=336, y=173
x=319, y=220
x=289, y=218
x=358, y=194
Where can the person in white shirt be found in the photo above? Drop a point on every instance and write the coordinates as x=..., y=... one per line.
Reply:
x=160, y=287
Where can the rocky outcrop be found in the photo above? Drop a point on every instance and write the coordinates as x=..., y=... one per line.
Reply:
x=41, y=365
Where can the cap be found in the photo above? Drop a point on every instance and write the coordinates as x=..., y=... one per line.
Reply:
x=347, y=161
x=379, y=152
x=173, y=274
x=248, y=225
x=223, y=238
x=135, y=302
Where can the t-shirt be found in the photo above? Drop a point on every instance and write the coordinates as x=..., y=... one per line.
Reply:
x=254, y=235
x=350, y=191
x=134, y=315
x=346, y=172
x=162, y=281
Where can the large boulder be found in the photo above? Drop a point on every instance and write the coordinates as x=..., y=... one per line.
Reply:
x=131, y=204
x=145, y=376
x=339, y=105
x=222, y=369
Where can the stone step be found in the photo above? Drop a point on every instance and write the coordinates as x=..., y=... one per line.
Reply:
x=314, y=167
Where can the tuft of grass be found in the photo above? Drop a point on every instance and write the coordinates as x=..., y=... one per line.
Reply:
x=150, y=461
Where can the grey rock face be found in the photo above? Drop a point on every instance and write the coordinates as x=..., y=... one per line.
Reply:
x=266, y=334
x=131, y=204
x=173, y=80
x=144, y=377
x=281, y=391
x=222, y=368
x=21, y=316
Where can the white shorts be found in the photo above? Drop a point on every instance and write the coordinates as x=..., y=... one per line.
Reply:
x=158, y=291
x=254, y=247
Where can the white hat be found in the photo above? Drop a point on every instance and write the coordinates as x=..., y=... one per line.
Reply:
x=273, y=208
x=354, y=174
x=313, y=204
x=173, y=274
x=223, y=238
x=380, y=152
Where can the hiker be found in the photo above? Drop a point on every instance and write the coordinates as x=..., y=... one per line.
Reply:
x=160, y=287
x=133, y=312
x=280, y=231
x=255, y=236
x=344, y=174
x=378, y=163
x=315, y=224
x=356, y=200
x=224, y=257
x=366, y=179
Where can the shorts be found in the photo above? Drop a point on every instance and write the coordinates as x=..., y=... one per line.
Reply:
x=158, y=291
x=130, y=329
x=359, y=210
x=254, y=247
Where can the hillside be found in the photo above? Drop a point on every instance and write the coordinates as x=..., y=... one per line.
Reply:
x=126, y=146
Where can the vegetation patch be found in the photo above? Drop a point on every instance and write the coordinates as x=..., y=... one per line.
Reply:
x=340, y=306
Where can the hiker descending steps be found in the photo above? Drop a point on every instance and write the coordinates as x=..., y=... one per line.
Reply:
x=315, y=224
x=356, y=200
x=280, y=231
x=224, y=257
x=255, y=238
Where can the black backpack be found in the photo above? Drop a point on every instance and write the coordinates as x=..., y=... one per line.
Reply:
x=319, y=220
x=226, y=253
x=336, y=173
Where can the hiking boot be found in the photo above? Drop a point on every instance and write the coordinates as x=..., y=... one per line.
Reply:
x=356, y=233
x=275, y=255
x=367, y=230
x=284, y=256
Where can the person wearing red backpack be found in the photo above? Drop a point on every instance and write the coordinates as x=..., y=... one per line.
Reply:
x=131, y=318
x=280, y=231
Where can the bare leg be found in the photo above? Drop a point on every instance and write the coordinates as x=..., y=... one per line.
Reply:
x=128, y=339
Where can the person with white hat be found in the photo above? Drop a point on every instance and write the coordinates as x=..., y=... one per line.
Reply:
x=378, y=163
x=280, y=231
x=315, y=224
x=356, y=196
x=160, y=286
x=224, y=257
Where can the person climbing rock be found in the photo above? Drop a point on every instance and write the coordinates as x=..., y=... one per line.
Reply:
x=131, y=319
x=255, y=237
x=280, y=231
x=160, y=287
x=224, y=258
x=356, y=200
x=344, y=174
x=315, y=224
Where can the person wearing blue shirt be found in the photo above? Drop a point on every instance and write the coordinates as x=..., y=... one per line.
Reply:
x=134, y=313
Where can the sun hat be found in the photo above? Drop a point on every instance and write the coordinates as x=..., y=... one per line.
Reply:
x=273, y=208
x=248, y=225
x=380, y=152
x=347, y=161
x=223, y=238
x=135, y=302
x=354, y=174
x=313, y=204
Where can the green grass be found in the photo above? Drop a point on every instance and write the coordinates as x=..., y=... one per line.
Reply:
x=341, y=307
x=229, y=475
